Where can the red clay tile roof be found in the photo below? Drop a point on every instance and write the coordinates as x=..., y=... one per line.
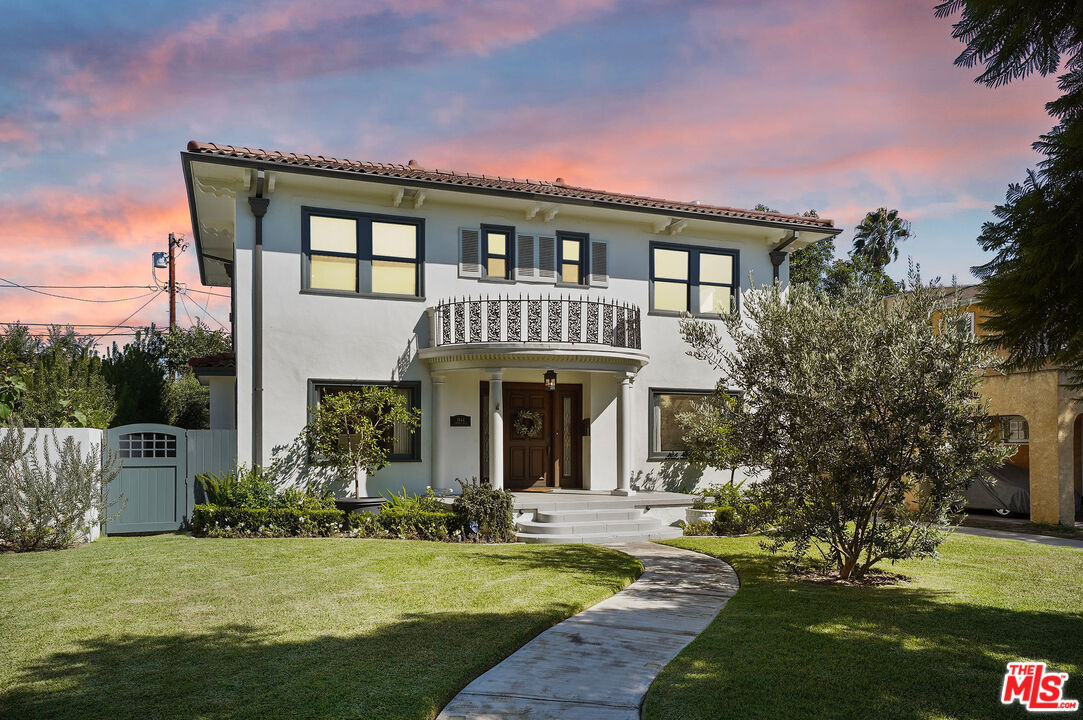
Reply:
x=225, y=361
x=557, y=189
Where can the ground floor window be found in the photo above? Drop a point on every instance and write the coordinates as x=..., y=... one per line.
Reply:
x=666, y=435
x=404, y=443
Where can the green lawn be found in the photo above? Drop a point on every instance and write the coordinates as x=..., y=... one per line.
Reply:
x=175, y=627
x=934, y=647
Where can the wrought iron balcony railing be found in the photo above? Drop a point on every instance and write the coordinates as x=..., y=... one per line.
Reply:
x=582, y=320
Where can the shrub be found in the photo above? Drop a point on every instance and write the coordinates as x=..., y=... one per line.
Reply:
x=415, y=524
x=252, y=488
x=725, y=516
x=50, y=504
x=486, y=514
x=216, y=521
x=246, y=487
x=703, y=527
x=363, y=524
x=414, y=503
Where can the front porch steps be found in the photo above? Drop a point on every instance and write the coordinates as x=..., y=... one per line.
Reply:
x=592, y=524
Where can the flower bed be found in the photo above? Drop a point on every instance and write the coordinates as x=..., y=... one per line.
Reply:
x=246, y=504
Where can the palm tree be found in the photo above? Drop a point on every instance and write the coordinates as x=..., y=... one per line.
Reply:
x=877, y=236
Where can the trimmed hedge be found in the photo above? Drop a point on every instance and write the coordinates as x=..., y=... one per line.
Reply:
x=217, y=521
x=409, y=523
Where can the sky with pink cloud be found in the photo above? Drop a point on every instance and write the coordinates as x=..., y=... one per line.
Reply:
x=842, y=106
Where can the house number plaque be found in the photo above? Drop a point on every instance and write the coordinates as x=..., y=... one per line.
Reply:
x=460, y=421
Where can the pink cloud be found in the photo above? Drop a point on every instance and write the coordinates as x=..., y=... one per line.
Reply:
x=286, y=41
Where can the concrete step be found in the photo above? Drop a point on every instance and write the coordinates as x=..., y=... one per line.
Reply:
x=662, y=533
x=615, y=503
x=589, y=527
x=565, y=516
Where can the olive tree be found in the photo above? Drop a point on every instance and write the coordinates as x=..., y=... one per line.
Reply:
x=860, y=411
x=354, y=430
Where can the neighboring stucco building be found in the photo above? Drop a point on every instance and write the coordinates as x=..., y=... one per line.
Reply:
x=463, y=292
x=1042, y=420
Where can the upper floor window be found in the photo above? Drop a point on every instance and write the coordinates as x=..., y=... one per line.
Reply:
x=702, y=281
x=498, y=250
x=573, y=258
x=362, y=254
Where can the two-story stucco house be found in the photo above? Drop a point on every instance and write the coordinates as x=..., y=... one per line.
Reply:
x=535, y=324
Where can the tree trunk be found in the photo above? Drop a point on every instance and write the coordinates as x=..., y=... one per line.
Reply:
x=359, y=476
x=847, y=567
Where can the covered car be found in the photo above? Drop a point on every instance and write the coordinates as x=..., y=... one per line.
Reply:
x=1006, y=490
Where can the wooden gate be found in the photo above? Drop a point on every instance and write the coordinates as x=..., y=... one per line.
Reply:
x=156, y=484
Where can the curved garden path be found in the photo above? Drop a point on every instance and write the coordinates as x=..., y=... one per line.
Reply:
x=598, y=665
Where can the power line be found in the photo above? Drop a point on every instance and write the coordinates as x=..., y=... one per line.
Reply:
x=205, y=307
x=119, y=324
x=69, y=297
x=205, y=292
x=87, y=287
x=184, y=304
x=72, y=325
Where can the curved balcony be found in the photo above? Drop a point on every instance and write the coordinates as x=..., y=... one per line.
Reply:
x=535, y=332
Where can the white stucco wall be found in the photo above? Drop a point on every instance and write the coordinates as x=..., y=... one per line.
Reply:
x=223, y=391
x=307, y=336
x=87, y=439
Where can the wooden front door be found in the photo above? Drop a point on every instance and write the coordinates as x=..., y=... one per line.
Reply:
x=552, y=457
x=527, y=459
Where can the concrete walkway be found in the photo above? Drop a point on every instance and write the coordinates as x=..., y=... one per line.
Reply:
x=1021, y=537
x=598, y=665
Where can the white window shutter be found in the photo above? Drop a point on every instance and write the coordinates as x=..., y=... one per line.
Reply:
x=599, y=264
x=469, y=252
x=525, y=260
x=547, y=258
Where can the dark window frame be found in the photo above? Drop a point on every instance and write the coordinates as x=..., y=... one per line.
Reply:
x=363, y=286
x=1004, y=429
x=582, y=262
x=693, y=282
x=508, y=231
x=652, y=392
x=414, y=386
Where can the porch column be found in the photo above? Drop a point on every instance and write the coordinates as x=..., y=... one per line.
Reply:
x=624, y=437
x=496, y=429
x=439, y=479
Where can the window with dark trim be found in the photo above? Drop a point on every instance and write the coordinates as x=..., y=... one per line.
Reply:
x=1014, y=429
x=404, y=444
x=665, y=433
x=573, y=251
x=498, y=259
x=699, y=280
x=362, y=254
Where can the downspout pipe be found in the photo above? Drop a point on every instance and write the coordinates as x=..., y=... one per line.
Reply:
x=258, y=204
x=778, y=254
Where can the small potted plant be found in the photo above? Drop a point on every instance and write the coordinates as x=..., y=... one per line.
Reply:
x=702, y=510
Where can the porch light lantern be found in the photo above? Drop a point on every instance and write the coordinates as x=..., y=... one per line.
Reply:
x=550, y=380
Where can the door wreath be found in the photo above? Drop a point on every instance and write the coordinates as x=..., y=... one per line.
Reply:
x=528, y=423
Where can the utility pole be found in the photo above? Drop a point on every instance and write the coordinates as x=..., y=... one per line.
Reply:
x=172, y=282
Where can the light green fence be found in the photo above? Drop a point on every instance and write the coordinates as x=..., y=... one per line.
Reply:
x=157, y=485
